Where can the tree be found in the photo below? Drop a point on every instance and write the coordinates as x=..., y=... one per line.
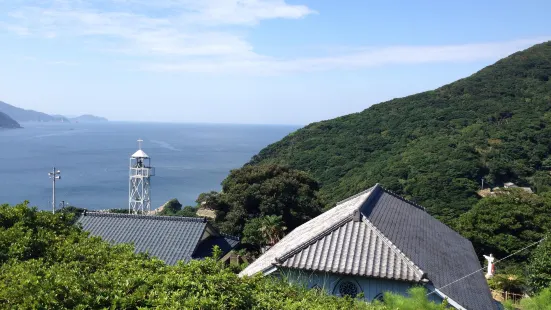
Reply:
x=264, y=190
x=208, y=199
x=541, y=181
x=540, y=301
x=252, y=234
x=188, y=211
x=74, y=210
x=505, y=223
x=172, y=207
x=267, y=230
x=272, y=229
x=539, y=268
x=508, y=282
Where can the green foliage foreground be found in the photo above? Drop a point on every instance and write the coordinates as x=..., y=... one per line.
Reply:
x=48, y=263
x=542, y=301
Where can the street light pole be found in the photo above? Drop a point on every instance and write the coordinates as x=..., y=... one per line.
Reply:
x=54, y=175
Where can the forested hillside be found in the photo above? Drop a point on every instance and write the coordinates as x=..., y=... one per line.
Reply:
x=435, y=147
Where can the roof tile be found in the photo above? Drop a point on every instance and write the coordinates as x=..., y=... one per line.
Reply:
x=168, y=238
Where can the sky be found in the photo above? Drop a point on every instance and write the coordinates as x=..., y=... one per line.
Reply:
x=248, y=61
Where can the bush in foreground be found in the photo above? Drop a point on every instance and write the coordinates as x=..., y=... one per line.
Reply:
x=48, y=263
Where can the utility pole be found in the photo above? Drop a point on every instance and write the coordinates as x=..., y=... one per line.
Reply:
x=54, y=175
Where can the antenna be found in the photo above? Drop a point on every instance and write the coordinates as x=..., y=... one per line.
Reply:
x=54, y=175
x=140, y=144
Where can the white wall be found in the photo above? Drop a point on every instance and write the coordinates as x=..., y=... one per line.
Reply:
x=330, y=282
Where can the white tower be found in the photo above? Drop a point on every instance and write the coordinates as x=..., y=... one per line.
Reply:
x=139, y=200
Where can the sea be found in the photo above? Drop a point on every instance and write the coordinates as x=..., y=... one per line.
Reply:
x=93, y=159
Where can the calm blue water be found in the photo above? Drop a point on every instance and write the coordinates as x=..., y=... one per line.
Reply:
x=93, y=159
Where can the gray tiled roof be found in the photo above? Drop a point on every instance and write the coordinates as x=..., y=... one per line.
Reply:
x=437, y=249
x=169, y=238
x=303, y=234
x=226, y=244
x=373, y=255
x=332, y=242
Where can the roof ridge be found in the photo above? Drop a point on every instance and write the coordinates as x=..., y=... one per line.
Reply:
x=358, y=194
x=418, y=206
x=393, y=247
x=150, y=217
x=333, y=227
x=236, y=238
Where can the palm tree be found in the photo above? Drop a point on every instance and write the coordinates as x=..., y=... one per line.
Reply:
x=272, y=229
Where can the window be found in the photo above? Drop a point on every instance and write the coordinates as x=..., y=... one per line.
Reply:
x=347, y=288
x=379, y=297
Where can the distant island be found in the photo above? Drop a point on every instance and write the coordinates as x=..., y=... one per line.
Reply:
x=8, y=122
x=87, y=118
x=22, y=115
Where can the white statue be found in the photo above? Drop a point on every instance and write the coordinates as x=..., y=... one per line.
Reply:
x=491, y=266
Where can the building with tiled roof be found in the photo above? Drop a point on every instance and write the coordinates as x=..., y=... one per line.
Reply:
x=375, y=242
x=169, y=238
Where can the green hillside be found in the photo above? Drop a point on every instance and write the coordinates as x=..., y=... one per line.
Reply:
x=435, y=147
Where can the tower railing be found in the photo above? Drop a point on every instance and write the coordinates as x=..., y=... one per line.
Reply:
x=143, y=171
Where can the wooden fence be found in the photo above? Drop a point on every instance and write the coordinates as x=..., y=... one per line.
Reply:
x=505, y=296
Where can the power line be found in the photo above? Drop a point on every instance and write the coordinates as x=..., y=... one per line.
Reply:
x=499, y=260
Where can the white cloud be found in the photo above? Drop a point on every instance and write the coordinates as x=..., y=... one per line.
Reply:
x=242, y=12
x=22, y=31
x=360, y=58
x=61, y=63
x=184, y=27
x=206, y=36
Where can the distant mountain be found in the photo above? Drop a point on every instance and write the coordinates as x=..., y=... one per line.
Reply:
x=8, y=122
x=86, y=118
x=22, y=115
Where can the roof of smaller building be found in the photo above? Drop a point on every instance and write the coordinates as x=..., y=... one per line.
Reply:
x=140, y=154
x=225, y=242
x=169, y=238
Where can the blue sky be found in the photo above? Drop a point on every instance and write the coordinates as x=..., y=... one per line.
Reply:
x=248, y=61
